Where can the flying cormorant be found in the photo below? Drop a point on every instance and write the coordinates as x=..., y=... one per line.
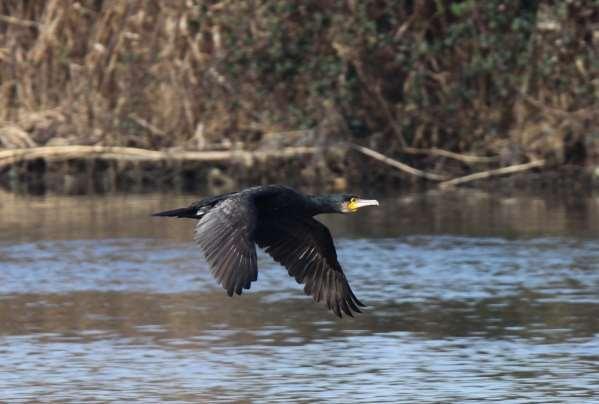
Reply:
x=280, y=220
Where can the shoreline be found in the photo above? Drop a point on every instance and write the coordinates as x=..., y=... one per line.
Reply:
x=76, y=170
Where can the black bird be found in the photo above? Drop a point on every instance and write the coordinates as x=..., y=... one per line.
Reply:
x=280, y=220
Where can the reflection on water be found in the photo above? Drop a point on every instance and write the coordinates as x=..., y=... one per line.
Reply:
x=470, y=298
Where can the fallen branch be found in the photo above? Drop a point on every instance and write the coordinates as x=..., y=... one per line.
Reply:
x=465, y=158
x=492, y=173
x=397, y=164
x=9, y=157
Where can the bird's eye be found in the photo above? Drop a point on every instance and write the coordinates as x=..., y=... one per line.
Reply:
x=353, y=200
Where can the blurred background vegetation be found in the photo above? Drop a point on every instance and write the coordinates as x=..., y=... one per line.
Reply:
x=517, y=80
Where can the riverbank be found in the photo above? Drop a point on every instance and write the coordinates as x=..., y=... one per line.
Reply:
x=73, y=170
x=420, y=82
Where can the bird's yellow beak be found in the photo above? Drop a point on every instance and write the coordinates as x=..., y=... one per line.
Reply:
x=356, y=203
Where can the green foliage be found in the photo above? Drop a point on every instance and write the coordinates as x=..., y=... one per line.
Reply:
x=428, y=63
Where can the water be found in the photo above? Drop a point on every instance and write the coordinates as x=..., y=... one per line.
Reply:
x=472, y=297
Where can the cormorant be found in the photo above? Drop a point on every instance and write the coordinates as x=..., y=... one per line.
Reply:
x=280, y=220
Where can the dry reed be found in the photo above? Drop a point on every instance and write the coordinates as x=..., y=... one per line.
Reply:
x=209, y=74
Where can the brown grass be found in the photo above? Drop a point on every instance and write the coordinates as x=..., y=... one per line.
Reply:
x=158, y=74
x=125, y=73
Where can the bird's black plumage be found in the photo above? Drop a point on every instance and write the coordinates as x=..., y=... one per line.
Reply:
x=280, y=220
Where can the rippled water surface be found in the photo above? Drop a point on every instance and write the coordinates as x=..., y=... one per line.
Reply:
x=472, y=297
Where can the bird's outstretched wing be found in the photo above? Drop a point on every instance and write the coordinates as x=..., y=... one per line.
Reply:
x=224, y=235
x=305, y=247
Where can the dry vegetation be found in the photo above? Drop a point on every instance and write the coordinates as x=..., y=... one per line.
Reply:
x=510, y=81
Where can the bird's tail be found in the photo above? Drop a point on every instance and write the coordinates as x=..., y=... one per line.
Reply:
x=181, y=212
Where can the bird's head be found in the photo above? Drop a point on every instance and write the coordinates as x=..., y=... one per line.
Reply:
x=352, y=203
x=340, y=203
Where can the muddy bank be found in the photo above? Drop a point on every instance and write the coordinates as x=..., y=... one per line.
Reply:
x=93, y=170
x=109, y=170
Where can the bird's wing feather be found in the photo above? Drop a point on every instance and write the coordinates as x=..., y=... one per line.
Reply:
x=225, y=236
x=305, y=247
